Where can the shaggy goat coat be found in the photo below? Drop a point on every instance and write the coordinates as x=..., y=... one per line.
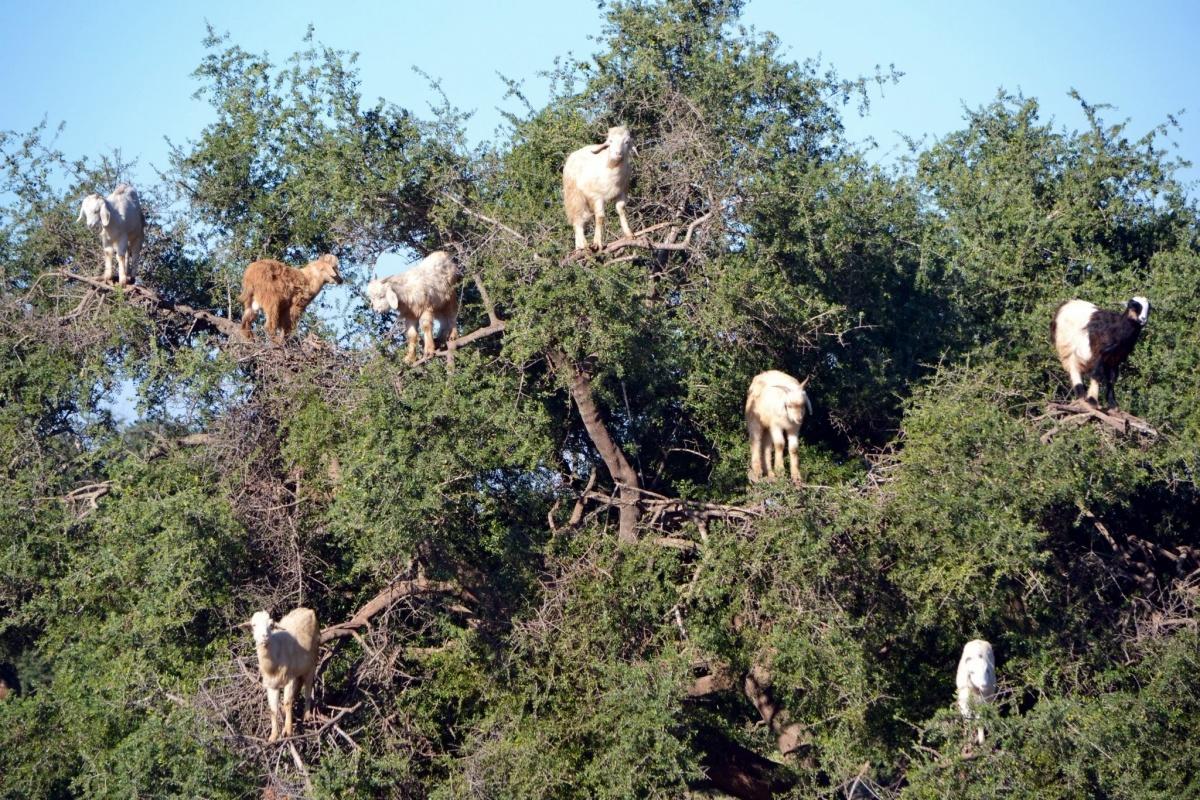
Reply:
x=121, y=224
x=594, y=175
x=424, y=294
x=976, y=679
x=1094, y=342
x=282, y=293
x=287, y=658
x=776, y=405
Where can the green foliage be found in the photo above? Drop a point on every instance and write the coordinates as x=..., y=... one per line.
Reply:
x=512, y=647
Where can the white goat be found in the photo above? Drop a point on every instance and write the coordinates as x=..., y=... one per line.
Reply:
x=776, y=404
x=287, y=658
x=120, y=222
x=423, y=294
x=976, y=679
x=592, y=177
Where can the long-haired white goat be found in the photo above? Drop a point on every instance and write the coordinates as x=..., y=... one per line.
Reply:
x=121, y=224
x=423, y=294
x=976, y=679
x=592, y=176
x=287, y=658
x=775, y=405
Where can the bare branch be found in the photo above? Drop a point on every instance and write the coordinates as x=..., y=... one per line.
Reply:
x=387, y=598
x=204, y=320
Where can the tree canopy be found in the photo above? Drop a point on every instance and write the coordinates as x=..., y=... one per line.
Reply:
x=538, y=563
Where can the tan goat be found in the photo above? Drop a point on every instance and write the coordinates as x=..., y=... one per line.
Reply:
x=592, y=176
x=287, y=658
x=282, y=293
x=776, y=404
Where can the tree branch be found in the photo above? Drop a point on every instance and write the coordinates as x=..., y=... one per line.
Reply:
x=387, y=598
x=485, y=218
x=1077, y=413
x=204, y=320
x=618, y=465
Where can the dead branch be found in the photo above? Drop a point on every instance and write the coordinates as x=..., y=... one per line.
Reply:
x=90, y=494
x=303, y=770
x=484, y=218
x=1078, y=413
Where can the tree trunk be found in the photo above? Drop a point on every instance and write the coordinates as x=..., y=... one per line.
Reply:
x=619, y=467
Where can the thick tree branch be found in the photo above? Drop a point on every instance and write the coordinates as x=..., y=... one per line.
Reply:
x=738, y=771
x=473, y=336
x=790, y=736
x=618, y=465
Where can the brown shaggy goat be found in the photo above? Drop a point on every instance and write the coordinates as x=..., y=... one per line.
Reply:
x=282, y=293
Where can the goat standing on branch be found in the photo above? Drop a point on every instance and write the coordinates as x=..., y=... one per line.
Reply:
x=592, y=176
x=1095, y=342
x=282, y=293
x=424, y=294
x=975, y=680
x=776, y=404
x=119, y=220
x=287, y=658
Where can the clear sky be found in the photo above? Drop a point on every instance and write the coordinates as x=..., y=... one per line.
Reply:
x=119, y=74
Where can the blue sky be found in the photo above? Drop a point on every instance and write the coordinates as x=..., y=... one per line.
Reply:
x=125, y=82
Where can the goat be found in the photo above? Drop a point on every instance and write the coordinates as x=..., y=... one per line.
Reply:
x=287, y=658
x=976, y=679
x=423, y=294
x=777, y=404
x=282, y=293
x=1095, y=342
x=120, y=222
x=591, y=177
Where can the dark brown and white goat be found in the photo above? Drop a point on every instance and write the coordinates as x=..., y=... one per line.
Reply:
x=1094, y=342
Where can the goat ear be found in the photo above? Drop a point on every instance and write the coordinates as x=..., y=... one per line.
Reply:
x=599, y=148
x=105, y=214
x=392, y=299
x=82, y=214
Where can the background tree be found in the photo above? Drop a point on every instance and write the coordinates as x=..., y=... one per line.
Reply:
x=540, y=568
